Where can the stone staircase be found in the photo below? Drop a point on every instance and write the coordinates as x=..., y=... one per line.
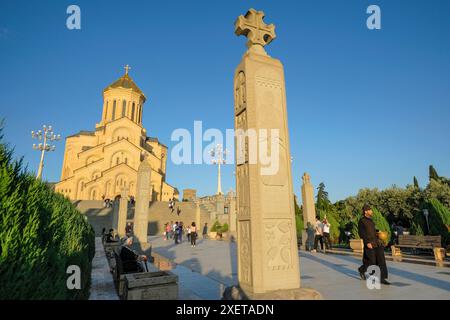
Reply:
x=98, y=216
x=158, y=214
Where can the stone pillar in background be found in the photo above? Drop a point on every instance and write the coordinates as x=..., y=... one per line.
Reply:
x=309, y=212
x=115, y=216
x=143, y=196
x=220, y=206
x=197, y=216
x=267, y=240
x=309, y=209
x=123, y=212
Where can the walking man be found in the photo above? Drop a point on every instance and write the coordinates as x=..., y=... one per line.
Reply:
x=373, y=247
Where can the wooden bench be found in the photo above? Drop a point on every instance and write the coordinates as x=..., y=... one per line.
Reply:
x=419, y=242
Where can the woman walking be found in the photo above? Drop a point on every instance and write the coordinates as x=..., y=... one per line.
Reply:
x=193, y=234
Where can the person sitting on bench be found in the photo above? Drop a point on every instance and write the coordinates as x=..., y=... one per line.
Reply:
x=110, y=237
x=131, y=261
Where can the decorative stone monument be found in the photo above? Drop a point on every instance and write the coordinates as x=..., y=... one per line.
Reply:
x=143, y=196
x=268, y=262
x=197, y=216
x=123, y=211
x=309, y=212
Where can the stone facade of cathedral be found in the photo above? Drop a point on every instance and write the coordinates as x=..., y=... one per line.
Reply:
x=97, y=164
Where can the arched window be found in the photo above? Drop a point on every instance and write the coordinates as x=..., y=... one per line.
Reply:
x=126, y=160
x=113, y=116
x=117, y=160
x=132, y=112
x=124, y=108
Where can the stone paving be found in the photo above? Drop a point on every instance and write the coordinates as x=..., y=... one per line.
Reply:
x=206, y=269
x=102, y=284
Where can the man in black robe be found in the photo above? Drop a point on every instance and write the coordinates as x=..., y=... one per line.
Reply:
x=373, y=247
x=131, y=261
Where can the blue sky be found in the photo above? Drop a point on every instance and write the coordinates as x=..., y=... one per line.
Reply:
x=366, y=108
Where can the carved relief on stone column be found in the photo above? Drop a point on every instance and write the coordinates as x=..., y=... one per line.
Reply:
x=278, y=237
x=270, y=101
x=240, y=94
x=241, y=138
x=243, y=190
x=244, y=246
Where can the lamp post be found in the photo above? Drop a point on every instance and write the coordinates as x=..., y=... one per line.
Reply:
x=218, y=155
x=426, y=213
x=48, y=136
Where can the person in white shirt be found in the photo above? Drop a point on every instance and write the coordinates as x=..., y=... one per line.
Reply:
x=318, y=232
x=326, y=233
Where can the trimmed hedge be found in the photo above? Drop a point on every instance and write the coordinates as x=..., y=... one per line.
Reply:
x=41, y=234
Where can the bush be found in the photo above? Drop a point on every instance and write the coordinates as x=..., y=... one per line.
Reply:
x=216, y=227
x=299, y=225
x=41, y=234
x=380, y=221
x=438, y=219
x=224, y=228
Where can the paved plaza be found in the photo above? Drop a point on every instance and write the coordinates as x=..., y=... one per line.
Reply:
x=206, y=269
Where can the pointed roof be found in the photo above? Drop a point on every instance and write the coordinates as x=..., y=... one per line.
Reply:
x=125, y=82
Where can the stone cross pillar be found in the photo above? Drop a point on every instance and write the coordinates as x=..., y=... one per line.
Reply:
x=220, y=205
x=197, y=216
x=309, y=209
x=143, y=196
x=123, y=212
x=115, y=216
x=267, y=239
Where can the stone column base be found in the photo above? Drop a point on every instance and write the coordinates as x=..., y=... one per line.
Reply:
x=236, y=293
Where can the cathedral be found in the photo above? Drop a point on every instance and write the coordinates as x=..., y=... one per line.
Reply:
x=98, y=164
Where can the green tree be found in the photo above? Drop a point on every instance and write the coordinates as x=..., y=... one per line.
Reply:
x=438, y=219
x=41, y=234
x=322, y=201
x=381, y=222
x=438, y=190
x=433, y=175
x=416, y=183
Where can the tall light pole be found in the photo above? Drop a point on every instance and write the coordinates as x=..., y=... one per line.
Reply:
x=48, y=136
x=218, y=155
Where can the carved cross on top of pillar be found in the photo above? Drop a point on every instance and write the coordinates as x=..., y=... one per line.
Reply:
x=253, y=27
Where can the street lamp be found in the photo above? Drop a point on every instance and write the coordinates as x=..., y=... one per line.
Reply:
x=47, y=136
x=217, y=155
x=426, y=214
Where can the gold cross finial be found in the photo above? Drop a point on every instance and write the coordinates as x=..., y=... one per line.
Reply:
x=253, y=27
x=127, y=68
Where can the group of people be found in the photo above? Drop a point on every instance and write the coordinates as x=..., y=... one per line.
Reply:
x=172, y=207
x=322, y=234
x=175, y=231
x=107, y=203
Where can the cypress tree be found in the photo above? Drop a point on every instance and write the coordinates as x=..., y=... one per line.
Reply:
x=416, y=183
x=433, y=173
